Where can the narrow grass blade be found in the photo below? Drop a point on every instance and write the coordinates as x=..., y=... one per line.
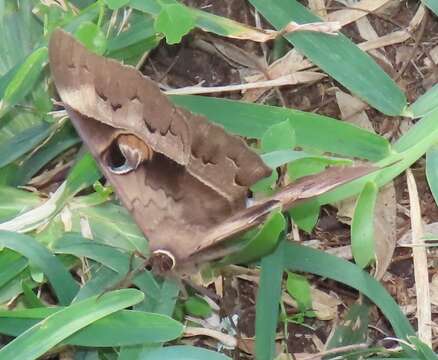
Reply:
x=59, y=277
x=46, y=334
x=432, y=171
x=252, y=120
x=268, y=302
x=182, y=352
x=425, y=103
x=122, y=328
x=336, y=55
x=302, y=258
x=362, y=226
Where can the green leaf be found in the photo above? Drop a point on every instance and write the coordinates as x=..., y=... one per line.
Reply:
x=130, y=45
x=265, y=185
x=304, y=259
x=306, y=215
x=63, y=283
x=57, y=144
x=108, y=256
x=424, y=351
x=174, y=21
x=116, y=4
x=313, y=165
x=182, y=352
x=23, y=142
x=425, y=103
x=14, y=201
x=332, y=135
x=336, y=55
x=299, y=288
x=353, y=329
x=432, y=5
x=11, y=264
x=262, y=243
x=42, y=337
x=267, y=303
x=278, y=158
x=24, y=79
x=92, y=37
x=29, y=297
x=122, y=328
x=432, y=171
x=84, y=174
x=362, y=226
x=197, y=306
x=279, y=136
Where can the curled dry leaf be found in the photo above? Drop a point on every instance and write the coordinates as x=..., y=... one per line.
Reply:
x=227, y=340
x=263, y=35
x=290, y=64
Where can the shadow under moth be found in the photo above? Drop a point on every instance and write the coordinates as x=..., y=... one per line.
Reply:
x=183, y=179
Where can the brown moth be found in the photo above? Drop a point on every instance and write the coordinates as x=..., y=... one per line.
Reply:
x=184, y=179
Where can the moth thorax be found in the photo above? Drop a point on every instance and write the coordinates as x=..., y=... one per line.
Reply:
x=126, y=153
x=162, y=261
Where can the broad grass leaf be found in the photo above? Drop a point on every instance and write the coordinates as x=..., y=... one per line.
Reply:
x=126, y=327
x=311, y=130
x=179, y=352
x=336, y=55
x=43, y=336
x=267, y=303
x=197, y=306
x=299, y=288
x=174, y=21
x=425, y=103
x=362, y=226
x=59, y=277
x=432, y=171
x=92, y=37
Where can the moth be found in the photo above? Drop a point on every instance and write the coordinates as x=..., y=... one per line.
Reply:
x=184, y=179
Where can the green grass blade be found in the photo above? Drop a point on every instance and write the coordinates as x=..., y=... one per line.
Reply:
x=337, y=56
x=122, y=328
x=268, y=302
x=302, y=258
x=252, y=120
x=59, y=277
x=432, y=171
x=432, y=5
x=362, y=226
x=23, y=142
x=182, y=352
x=425, y=103
x=46, y=334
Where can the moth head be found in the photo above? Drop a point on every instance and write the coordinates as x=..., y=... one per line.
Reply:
x=126, y=153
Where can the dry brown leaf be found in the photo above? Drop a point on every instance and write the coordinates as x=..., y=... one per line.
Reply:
x=291, y=63
x=396, y=36
x=318, y=7
x=421, y=273
x=227, y=340
x=346, y=16
x=247, y=32
x=292, y=79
